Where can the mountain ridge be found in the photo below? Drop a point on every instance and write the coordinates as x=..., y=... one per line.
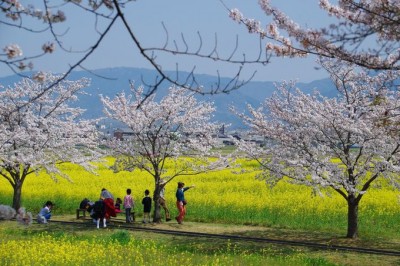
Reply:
x=253, y=93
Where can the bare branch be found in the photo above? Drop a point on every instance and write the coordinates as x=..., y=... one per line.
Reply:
x=102, y=11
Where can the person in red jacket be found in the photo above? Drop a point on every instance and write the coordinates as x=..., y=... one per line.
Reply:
x=108, y=199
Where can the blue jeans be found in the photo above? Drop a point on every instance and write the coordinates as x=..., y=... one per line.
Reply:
x=47, y=216
x=128, y=215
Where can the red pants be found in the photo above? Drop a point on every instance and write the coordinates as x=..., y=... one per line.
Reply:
x=182, y=211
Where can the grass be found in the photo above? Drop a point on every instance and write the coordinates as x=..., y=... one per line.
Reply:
x=55, y=244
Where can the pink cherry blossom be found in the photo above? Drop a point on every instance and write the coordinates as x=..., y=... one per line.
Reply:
x=12, y=51
x=366, y=33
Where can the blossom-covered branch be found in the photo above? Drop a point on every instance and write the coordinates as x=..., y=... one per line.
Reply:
x=38, y=134
x=343, y=143
x=104, y=14
x=176, y=130
x=366, y=33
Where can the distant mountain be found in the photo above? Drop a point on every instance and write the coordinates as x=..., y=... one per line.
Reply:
x=253, y=93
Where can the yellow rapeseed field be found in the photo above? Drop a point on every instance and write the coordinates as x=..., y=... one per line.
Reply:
x=221, y=197
x=120, y=247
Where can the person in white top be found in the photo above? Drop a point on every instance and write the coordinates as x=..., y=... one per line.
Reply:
x=128, y=205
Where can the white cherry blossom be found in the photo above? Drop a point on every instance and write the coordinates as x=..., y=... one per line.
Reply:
x=365, y=33
x=12, y=51
x=177, y=129
x=39, y=130
x=340, y=144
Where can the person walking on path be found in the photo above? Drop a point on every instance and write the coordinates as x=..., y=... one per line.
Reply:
x=128, y=205
x=163, y=202
x=146, y=201
x=181, y=202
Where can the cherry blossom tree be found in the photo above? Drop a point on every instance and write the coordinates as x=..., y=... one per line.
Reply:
x=38, y=135
x=175, y=131
x=341, y=144
x=366, y=33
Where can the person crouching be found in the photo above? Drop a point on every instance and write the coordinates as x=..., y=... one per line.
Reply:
x=45, y=213
x=99, y=212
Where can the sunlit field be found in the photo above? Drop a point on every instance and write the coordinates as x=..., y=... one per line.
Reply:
x=62, y=246
x=220, y=197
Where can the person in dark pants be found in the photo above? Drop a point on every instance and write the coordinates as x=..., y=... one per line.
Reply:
x=128, y=205
x=146, y=201
x=99, y=212
x=181, y=202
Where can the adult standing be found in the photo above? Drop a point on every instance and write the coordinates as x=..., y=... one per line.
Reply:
x=181, y=202
x=163, y=202
x=108, y=199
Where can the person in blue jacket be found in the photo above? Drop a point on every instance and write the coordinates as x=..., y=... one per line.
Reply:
x=45, y=213
x=181, y=202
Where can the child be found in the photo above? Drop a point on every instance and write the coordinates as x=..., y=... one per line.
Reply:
x=99, y=212
x=128, y=205
x=118, y=205
x=146, y=201
x=45, y=213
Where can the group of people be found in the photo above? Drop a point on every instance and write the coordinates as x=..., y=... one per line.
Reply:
x=180, y=203
x=105, y=207
x=128, y=204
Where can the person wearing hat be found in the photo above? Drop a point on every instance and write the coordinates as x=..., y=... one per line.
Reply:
x=181, y=202
x=162, y=201
x=45, y=213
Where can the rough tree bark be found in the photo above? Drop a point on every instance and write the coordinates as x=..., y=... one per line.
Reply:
x=352, y=216
x=156, y=196
x=17, y=195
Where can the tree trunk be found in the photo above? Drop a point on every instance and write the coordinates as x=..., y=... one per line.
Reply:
x=157, y=207
x=352, y=217
x=17, y=195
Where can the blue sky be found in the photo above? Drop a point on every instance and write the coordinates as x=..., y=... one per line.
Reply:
x=187, y=17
